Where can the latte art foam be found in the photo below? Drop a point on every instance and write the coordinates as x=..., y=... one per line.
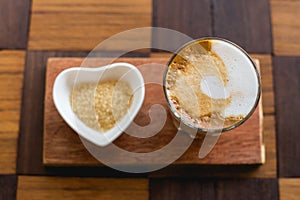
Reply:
x=211, y=79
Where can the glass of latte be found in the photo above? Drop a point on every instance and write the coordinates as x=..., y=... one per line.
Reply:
x=211, y=85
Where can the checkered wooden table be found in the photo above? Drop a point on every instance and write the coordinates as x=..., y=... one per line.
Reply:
x=33, y=30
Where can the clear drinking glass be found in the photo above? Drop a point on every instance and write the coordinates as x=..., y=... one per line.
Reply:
x=211, y=85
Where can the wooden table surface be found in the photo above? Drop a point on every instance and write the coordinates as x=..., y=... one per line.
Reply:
x=31, y=31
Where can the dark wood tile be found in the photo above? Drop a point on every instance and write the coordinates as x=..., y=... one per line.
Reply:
x=163, y=189
x=190, y=17
x=14, y=22
x=244, y=22
x=31, y=124
x=287, y=95
x=8, y=187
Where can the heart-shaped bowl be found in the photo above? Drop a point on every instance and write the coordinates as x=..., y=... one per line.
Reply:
x=65, y=82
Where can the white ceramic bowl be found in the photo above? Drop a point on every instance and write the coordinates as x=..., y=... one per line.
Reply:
x=63, y=86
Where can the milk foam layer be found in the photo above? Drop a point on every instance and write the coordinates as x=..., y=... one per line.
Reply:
x=242, y=78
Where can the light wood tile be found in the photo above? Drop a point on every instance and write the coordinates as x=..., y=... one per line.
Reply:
x=81, y=25
x=266, y=72
x=11, y=79
x=289, y=188
x=286, y=27
x=35, y=188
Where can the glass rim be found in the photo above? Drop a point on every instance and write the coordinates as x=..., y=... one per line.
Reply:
x=224, y=129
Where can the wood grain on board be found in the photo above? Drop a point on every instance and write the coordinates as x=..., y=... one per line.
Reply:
x=14, y=21
x=11, y=79
x=287, y=87
x=286, y=27
x=289, y=188
x=81, y=25
x=62, y=146
x=267, y=170
x=39, y=187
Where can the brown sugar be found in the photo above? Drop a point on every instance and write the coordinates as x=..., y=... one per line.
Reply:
x=101, y=105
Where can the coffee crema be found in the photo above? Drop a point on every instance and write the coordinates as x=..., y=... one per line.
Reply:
x=211, y=84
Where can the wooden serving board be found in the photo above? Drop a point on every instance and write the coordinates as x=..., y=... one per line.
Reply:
x=63, y=147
